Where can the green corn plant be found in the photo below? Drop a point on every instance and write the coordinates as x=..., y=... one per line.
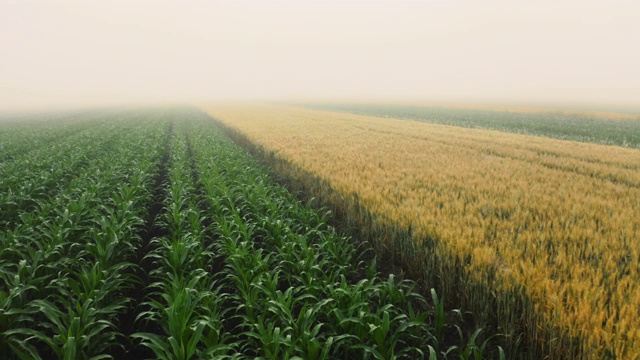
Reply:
x=309, y=340
x=183, y=332
x=471, y=350
x=14, y=315
x=439, y=317
x=81, y=331
x=271, y=341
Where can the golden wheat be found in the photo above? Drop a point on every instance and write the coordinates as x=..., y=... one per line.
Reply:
x=557, y=222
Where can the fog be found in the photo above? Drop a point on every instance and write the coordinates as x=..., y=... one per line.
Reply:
x=81, y=53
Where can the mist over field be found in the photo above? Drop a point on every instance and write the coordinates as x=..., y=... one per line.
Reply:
x=59, y=54
x=319, y=179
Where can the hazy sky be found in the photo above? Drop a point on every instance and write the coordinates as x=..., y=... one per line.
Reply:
x=83, y=52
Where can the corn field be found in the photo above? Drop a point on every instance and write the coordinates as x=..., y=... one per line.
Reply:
x=536, y=236
x=132, y=234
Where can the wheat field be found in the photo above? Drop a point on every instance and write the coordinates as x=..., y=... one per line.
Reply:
x=539, y=235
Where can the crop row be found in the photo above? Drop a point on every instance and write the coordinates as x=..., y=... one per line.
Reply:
x=56, y=156
x=159, y=217
x=65, y=258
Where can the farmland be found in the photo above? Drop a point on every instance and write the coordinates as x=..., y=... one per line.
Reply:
x=149, y=234
x=622, y=129
x=536, y=235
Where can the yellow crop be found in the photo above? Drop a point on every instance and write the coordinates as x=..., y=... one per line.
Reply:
x=540, y=235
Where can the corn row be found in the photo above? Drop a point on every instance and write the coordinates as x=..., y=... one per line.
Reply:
x=185, y=302
x=65, y=265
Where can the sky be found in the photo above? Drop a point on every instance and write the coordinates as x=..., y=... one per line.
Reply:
x=77, y=53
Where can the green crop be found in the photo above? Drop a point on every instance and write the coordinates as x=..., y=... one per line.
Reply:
x=156, y=215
